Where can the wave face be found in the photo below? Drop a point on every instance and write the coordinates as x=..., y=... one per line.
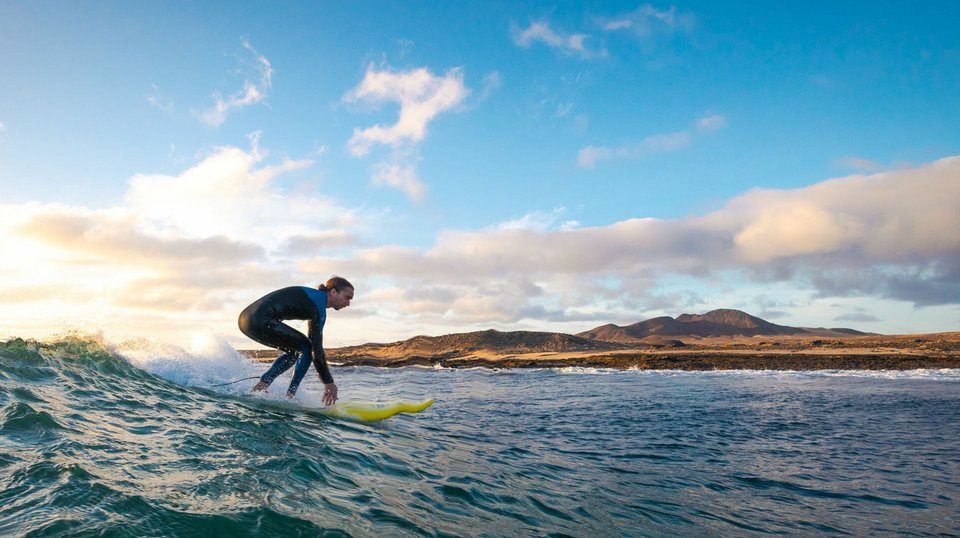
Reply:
x=134, y=441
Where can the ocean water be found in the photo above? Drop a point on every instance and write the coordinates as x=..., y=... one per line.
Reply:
x=98, y=440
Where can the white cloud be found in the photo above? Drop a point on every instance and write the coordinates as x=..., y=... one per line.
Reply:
x=647, y=21
x=792, y=228
x=646, y=24
x=711, y=123
x=253, y=91
x=541, y=32
x=590, y=156
x=491, y=83
x=321, y=240
x=891, y=217
x=2, y=127
x=157, y=100
x=223, y=194
x=400, y=177
x=538, y=220
x=422, y=96
x=114, y=234
x=858, y=163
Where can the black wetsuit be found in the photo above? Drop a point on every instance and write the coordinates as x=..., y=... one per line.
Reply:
x=263, y=321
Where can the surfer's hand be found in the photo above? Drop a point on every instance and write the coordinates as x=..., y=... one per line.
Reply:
x=329, y=394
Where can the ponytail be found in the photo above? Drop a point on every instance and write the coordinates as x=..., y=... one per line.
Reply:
x=335, y=283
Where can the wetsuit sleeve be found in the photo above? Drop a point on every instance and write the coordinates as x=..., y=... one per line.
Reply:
x=315, y=333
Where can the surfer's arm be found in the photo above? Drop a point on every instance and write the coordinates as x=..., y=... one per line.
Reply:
x=319, y=358
x=315, y=333
x=320, y=363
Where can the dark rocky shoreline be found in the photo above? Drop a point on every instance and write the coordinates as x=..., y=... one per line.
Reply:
x=688, y=362
x=691, y=361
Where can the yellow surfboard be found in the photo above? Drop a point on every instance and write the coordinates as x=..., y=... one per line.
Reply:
x=365, y=411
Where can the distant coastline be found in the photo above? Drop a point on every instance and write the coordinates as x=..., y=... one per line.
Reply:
x=902, y=352
x=719, y=340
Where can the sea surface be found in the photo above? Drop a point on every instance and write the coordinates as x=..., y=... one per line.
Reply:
x=131, y=440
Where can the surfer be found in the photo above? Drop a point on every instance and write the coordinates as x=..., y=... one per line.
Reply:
x=263, y=322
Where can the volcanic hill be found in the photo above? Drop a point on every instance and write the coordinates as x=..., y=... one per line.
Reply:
x=721, y=322
x=434, y=348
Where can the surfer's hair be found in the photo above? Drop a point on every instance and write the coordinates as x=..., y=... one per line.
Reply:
x=336, y=283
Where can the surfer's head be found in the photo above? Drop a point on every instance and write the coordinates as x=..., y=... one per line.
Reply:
x=339, y=292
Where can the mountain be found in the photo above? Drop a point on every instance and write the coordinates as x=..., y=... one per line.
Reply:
x=721, y=322
x=493, y=340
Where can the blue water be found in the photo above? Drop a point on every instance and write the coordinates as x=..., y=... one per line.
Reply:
x=98, y=441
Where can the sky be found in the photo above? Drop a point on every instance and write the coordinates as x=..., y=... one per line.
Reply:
x=549, y=166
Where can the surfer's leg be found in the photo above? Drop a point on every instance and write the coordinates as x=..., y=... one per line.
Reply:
x=303, y=364
x=279, y=366
x=279, y=335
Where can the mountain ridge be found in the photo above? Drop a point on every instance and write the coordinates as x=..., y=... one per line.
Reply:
x=719, y=322
x=654, y=332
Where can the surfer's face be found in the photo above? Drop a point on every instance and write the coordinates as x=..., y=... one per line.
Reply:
x=337, y=299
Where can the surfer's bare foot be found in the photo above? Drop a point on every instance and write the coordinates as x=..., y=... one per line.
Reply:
x=259, y=387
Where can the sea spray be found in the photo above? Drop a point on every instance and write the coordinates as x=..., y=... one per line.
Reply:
x=205, y=360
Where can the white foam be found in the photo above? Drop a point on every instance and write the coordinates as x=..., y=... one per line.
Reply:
x=586, y=370
x=206, y=360
x=935, y=374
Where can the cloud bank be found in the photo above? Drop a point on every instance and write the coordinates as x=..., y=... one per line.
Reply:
x=887, y=235
x=181, y=251
x=190, y=250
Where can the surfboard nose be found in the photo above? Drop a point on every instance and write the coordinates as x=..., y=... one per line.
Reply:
x=416, y=407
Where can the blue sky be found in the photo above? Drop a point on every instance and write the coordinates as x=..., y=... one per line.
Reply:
x=472, y=165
